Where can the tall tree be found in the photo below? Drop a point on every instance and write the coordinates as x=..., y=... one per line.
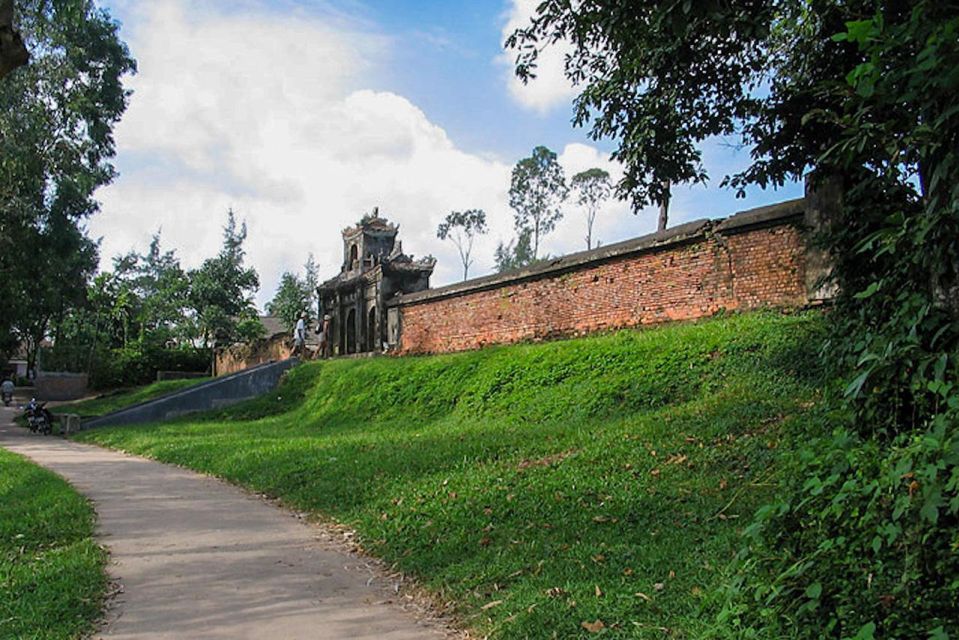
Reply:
x=593, y=189
x=462, y=227
x=296, y=295
x=311, y=280
x=537, y=191
x=164, y=287
x=292, y=298
x=56, y=120
x=222, y=290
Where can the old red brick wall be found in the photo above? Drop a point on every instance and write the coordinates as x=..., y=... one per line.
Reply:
x=243, y=356
x=743, y=267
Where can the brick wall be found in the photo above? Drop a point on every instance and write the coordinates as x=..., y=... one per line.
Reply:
x=751, y=260
x=243, y=356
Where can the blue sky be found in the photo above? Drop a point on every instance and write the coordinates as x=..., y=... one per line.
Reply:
x=301, y=116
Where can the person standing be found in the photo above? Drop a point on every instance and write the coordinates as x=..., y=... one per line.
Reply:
x=299, y=336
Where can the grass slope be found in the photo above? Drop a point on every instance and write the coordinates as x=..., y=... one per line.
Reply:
x=121, y=398
x=52, y=579
x=596, y=485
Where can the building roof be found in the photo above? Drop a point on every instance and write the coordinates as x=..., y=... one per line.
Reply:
x=273, y=325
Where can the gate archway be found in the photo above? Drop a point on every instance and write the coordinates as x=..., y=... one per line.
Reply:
x=351, y=331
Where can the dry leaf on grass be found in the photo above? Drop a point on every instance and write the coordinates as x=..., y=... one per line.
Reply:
x=593, y=627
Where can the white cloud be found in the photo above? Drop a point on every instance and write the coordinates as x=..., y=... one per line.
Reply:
x=550, y=88
x=266, y=114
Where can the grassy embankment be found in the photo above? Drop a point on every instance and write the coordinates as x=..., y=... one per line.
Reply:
x=550, y=490
x=52, y=579
x=120, y=398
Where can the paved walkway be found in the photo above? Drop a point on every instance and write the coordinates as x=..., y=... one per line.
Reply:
x=198, y=558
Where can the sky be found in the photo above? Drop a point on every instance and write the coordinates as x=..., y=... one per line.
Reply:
x=303, y=115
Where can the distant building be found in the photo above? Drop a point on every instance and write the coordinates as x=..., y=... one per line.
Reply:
x=374, y=270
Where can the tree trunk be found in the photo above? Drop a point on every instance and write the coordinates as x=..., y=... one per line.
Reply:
x=664, y=208
x=13, y=53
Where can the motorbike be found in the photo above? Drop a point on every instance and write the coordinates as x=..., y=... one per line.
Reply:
x=7, y=398
x=39, y=418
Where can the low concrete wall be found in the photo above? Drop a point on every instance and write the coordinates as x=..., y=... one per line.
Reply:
x=180, y=375
x=60, y=386
x=215, y=394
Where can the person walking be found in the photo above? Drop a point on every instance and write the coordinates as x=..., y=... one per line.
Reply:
x=6, y=390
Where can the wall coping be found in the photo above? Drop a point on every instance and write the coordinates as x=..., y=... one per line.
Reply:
x=766, y=216
x=770, y=215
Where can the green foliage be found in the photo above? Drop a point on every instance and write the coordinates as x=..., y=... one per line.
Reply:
x=295, y=295
x=222, y=290
x=862, y=541
x=517, y=254
x=138, y=364
x=537, y=486
x=53, y=578
x=462, y=227
x=56, y=121
x=656, y=77
x=593, y=189
x=879, y=500
x=536, y=193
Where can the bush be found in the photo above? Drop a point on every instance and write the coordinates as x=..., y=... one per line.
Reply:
x=138, y=365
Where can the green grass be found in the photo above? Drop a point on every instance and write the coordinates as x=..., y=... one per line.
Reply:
x=121, y=398
x=537, y=487
x=52, y=579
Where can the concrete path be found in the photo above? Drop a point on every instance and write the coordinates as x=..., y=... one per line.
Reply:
x=198, y=558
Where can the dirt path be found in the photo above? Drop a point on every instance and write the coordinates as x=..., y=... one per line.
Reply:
x=200, y=559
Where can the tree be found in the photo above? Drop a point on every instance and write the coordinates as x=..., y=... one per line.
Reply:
x=222, y=290
x=62, y=260
x=56, y=120
x=515, y=255
x=292, y=298
x=311, y=280
x=295, y=295
x=863, y=93
x=537, y=191
x=462, y=228
x=593, y=188
x=659, y=78
x=160, y=288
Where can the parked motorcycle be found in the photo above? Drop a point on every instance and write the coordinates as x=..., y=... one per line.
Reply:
x=39, y=418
